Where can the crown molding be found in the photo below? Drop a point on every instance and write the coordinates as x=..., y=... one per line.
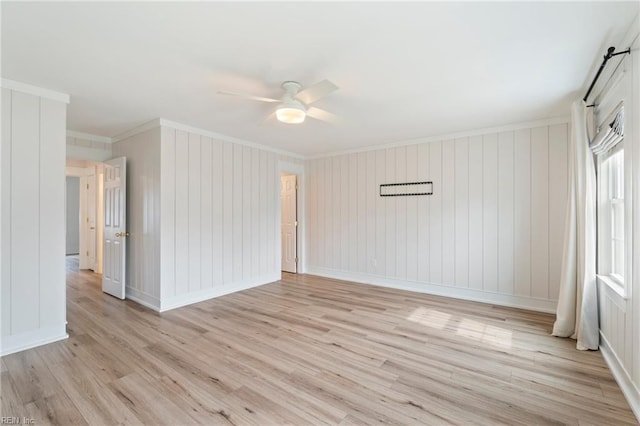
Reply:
x=226, y=138
x=136, y=130
x=564, y=119
x=162, y=122
x=35, y=90
x=88, y=136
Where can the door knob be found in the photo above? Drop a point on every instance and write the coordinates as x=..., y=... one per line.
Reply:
x=122, y=234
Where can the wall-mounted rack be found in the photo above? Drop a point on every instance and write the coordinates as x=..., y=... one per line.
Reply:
x=406, y=189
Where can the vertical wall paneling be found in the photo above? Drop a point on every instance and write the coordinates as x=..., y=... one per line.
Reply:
x=435, y=213
x=33, y=288
x=182, y=212
x=371, y=231
x=475, y=251
x=352, y=217
x=522, y=212
x=246, y=191
x=168, y=209
x=52, y=206
x=461, y=208
x=391, y=222
x=25, y=208
x=361, y=209
x=264, y=225
x=485, y=233
x=206, y=212
x=558, y=184
x=335, y=225
x=401, y=216
x=224, y=199
x=423, y=218
x=448, y=212
x=490, y=213
x=344, y=203
x=317, y=202
x=256, y=211
x=227, y=202
x=238, y=213
x=540, y=212
x=412, y=215
x=194, y=193
x=505, y=212
x=144, y=222
x=7, y=234
x=381, y=214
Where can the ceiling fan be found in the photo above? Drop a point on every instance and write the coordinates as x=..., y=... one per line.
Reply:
x=294, y=104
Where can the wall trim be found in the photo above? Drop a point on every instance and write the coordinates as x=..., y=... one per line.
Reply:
x=162, y=122
x=35, y=90
x=88, y=136
x=564, y=119
x=181, y=300
x=511, y=301
x=31, y=339
x=136, y=130
x=629, y=390
x=220, y=136
x=142, y=298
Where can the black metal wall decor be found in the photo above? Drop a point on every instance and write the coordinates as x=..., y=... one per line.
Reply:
x=406, y=189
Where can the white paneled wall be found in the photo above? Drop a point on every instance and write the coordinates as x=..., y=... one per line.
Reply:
x=620, y=315
x=143, y=215
x=202, y=214
x=219, y=225
x=33, y=221
x=491, y=231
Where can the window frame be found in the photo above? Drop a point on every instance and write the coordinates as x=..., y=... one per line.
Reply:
x=605, y=222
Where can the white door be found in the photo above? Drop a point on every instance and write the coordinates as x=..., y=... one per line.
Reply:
x=115, y=227
x=289, y=223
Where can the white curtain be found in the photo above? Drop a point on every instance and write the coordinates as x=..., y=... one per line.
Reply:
x=577, y=313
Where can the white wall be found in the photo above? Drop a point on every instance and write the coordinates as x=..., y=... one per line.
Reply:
x=73, y=215
x=202, y=212
x=143, y=215
x=220, y=229
x=620, y=315
x=491, y=231
x=33, y=222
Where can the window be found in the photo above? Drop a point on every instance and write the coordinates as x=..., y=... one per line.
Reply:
x=608, y=146
x=611, y=212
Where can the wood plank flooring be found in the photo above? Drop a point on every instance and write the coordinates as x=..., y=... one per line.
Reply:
x=307, y=350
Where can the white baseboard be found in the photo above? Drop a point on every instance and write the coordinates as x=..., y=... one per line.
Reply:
x=31, y=339
x=202, y=295
x=143, y=298
x=629, y=389
x=530, y=303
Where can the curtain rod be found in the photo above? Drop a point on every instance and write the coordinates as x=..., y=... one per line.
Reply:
x=610, y=54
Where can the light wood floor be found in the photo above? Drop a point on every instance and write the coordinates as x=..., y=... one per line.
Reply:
x=307, y=350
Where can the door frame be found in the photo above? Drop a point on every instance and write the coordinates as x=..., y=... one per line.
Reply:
x=298, y=170
x=81, y=173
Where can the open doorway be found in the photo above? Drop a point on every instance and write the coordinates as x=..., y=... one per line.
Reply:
x=84, y=214
x=289, y=221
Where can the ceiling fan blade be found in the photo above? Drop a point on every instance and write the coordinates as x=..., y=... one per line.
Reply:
x=247, y=96
x=320, y=114
x=317, y=91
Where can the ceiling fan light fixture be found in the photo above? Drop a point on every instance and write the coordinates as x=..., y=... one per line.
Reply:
x=291, y=114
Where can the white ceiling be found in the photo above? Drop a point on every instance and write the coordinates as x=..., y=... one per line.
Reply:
x=405, y=70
